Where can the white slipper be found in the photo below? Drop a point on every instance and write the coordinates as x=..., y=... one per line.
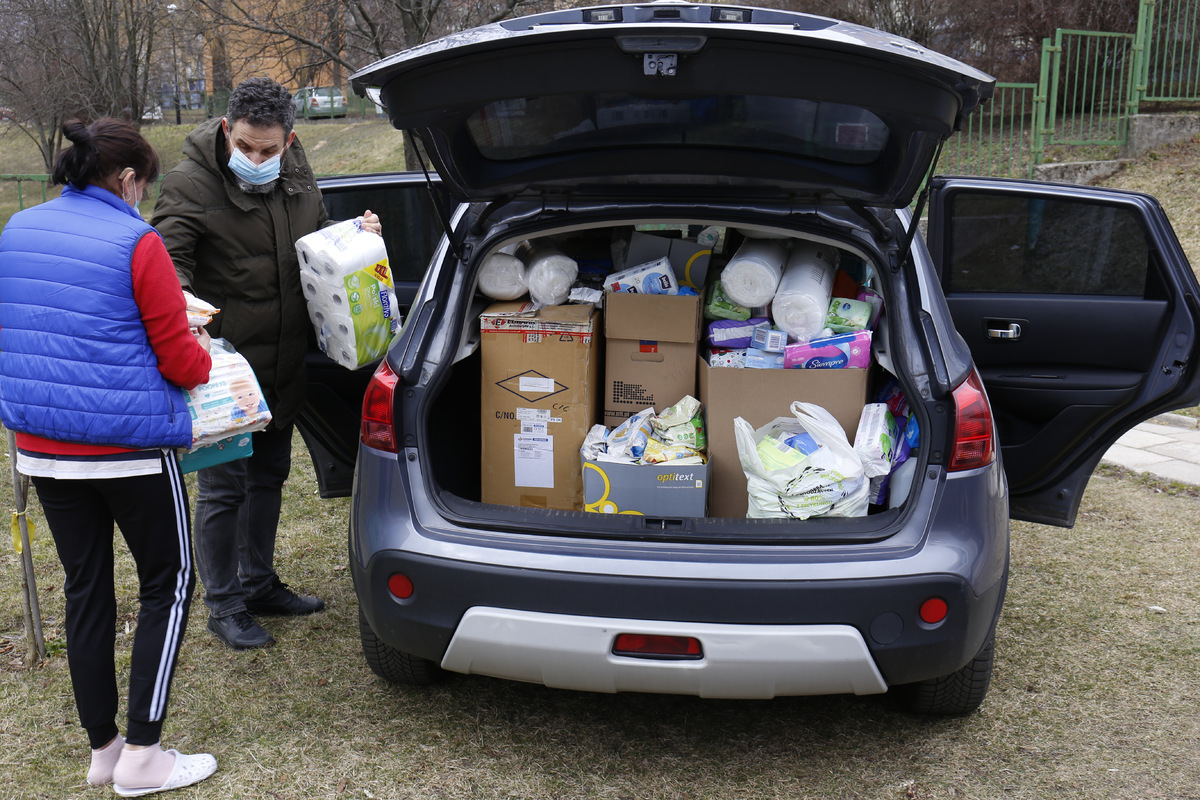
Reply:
x=187, y=770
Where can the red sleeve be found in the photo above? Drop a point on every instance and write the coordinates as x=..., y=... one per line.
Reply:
x=181, y=359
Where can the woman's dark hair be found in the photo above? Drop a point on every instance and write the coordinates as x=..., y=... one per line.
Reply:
x=101, y=149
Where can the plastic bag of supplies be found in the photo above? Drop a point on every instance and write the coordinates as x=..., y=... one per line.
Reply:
x=801, y=466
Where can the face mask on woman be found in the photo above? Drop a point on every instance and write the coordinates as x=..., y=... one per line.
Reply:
x=129, y=189
x=251, y=173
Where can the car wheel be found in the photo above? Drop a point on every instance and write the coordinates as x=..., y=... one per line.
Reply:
x=959, y=692
x=394, y=665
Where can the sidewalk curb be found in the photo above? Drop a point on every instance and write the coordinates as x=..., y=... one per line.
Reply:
x=1177, y=420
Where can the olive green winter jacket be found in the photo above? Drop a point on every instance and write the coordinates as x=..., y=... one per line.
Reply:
x=238, y=252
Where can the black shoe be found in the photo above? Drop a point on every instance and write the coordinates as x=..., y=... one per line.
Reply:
x=282, y=601
x=240, y=631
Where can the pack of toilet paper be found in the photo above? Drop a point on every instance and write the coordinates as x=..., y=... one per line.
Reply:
x=348, y=286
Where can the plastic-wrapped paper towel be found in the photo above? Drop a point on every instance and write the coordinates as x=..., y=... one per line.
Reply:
x=752, y=275
x=348, y=288
x=502, y=277
x=549, y=272
x=802, y=300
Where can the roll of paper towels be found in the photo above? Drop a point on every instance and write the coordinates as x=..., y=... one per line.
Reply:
x=548, y=272
x=502, y=277
x=802, y=299
x=752, y=275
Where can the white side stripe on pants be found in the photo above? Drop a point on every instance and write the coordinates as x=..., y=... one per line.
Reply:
x=171, y=640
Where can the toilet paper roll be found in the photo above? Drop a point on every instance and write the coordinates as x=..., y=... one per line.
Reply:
x=802, y=300
x=341, y=249
x=752, y=275
x=549, y=273
x=502, y=277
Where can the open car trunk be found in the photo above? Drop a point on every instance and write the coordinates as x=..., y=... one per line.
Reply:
x=457, y=412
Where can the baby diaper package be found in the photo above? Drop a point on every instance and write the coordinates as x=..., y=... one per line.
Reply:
x=348, y=287
x=224, y=411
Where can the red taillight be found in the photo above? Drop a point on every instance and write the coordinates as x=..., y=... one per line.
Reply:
x=378, y=426
x=974, y=445
x=400, y=586
x=934, y=610
x=644, y=645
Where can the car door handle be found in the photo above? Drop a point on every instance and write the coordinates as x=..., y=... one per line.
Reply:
x=1013, y=331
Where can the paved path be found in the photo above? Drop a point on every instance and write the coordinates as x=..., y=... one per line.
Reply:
x=1167, y=446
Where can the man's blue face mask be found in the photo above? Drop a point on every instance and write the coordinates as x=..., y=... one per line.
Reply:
x=251, y=173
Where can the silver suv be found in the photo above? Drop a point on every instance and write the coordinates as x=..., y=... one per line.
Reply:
x=1028, y=329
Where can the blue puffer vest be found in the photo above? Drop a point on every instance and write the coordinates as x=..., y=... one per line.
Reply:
x=75, y=362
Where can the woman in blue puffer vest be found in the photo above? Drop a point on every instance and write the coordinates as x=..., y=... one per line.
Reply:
x=94, y=347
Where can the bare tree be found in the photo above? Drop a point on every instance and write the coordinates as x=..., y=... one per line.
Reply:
x=67, y=58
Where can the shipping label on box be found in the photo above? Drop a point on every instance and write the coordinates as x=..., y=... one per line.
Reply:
x=540, y=390
x=655, y=490
x=650, y=359
x=759, y=396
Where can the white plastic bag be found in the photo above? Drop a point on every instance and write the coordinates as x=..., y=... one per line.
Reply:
x=828, y=482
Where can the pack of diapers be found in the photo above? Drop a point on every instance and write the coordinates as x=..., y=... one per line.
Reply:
x=230, y=403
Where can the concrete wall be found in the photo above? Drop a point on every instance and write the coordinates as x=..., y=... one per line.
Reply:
x=1148, y=131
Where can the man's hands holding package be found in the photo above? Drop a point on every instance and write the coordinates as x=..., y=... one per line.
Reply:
x=370, y=222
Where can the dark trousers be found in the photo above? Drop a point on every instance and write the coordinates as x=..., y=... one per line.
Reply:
x=152, y=514
x=237, y=517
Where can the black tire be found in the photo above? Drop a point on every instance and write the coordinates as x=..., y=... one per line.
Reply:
x=958, y=693
x=395, y=665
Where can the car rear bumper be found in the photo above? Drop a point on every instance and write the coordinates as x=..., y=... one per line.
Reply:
x=460, y=609
x=737, y=661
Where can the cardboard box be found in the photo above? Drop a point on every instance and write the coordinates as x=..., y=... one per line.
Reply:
x=539, y=398
x=689, y=261
x=759, y=396
x=652, y=490
x=651, y=342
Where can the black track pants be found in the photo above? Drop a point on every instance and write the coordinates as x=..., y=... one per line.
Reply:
x=152, y=514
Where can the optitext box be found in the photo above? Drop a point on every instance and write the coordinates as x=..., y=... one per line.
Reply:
x=539, y=398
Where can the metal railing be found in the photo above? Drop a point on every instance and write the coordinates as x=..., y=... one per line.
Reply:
x=1169, y=49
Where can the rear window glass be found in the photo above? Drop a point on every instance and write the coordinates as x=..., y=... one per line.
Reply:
x=1018, y=244
x=507, y=130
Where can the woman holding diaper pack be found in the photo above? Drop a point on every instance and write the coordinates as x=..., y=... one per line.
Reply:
x=94, y=347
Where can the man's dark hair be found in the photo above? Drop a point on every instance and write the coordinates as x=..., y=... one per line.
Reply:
x=263, y=103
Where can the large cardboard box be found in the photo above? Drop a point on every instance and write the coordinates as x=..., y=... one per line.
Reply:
x=651, y=342
x=652, y=490
x=539, y=398
x=759, y=396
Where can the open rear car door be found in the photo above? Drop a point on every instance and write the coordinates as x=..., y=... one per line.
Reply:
x=1081, y=312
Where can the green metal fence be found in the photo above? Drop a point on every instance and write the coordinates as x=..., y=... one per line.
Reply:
x=1169, y=36
x=1000, y=139
x=1089, y=85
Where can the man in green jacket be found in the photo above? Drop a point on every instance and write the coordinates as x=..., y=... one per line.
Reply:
x=230, y=215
